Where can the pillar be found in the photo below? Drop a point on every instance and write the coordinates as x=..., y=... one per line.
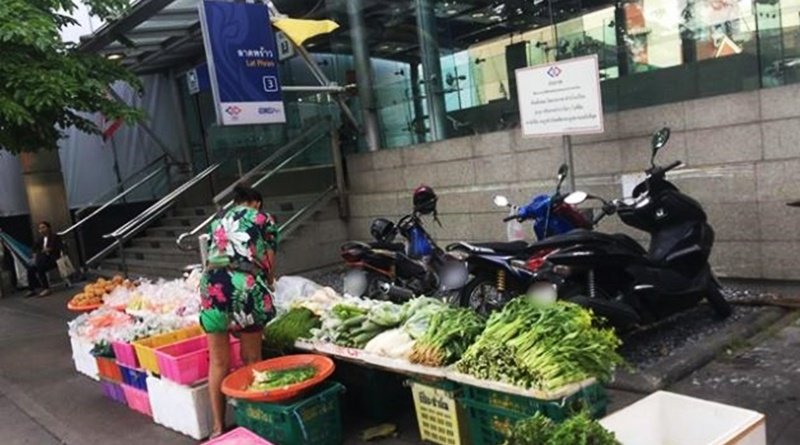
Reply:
x=363, y=68
x=45, y=191
x=431, y=68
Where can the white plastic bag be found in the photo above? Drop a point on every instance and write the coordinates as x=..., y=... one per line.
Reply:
x=290, y=288
x=515, y=230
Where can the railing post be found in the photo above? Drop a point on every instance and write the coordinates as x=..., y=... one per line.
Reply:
x=122, y=257
x=338, y=167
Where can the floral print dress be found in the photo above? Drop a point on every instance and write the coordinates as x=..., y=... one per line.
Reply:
x=234, y=288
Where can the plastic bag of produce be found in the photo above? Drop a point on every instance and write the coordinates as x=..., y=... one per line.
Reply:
x=291, y=288
x=394, y=343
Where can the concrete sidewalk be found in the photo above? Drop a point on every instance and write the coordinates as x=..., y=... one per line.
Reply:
x=43, y=400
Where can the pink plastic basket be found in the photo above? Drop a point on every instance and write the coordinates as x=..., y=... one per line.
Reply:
x=186, y=362
x=239, y=436
x=138, y=400
x=125, y=354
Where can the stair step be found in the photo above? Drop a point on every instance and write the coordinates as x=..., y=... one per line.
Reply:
x=148, y=253
x=155, y=242
x=166, y=231
x=193, y=211
x=152, y=269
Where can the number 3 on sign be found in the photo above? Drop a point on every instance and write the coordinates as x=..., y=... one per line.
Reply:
x=270, y=84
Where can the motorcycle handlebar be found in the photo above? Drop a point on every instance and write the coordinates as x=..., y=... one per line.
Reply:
x=510, y=218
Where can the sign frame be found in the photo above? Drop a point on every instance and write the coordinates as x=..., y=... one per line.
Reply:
x=242, y=58
x=591, y=63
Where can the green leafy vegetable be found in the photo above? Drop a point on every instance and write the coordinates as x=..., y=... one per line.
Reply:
x=450, y=332
x=544, y=347
x=266, y=380
x=289, y=327
x=580, y=429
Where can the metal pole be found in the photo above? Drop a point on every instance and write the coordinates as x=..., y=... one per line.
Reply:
x=338, y=166
x=431, y=67
x=568, y=158
x=419, y=113
x=180, y=111
x=323, y=80
x=358, y=38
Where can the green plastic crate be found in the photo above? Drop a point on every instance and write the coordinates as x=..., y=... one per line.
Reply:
x=593, y=397
x=310, y=420
x=368, y=389
x=491, y=414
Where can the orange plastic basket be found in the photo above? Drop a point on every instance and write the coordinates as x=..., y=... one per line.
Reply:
x=236, y=384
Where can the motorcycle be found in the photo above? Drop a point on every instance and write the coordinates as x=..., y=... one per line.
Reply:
x=503, y=270
x=384, y=269
x=620, y=280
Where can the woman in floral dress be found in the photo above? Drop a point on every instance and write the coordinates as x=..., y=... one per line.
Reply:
x=236, y=288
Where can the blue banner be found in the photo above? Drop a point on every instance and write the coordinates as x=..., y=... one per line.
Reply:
x=242, y=63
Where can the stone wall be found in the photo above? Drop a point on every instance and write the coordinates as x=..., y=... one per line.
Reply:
x=742, y=156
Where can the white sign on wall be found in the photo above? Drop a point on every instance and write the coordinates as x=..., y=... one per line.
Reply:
x=560, y=98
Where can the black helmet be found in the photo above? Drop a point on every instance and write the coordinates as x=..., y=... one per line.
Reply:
x=425, y=200
x=383, y=230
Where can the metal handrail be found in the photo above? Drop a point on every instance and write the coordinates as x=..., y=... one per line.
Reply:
x=249, y=174
x=129, y=229
x=287, y=227
x=253, y=171
x=108, y=203
x=94, y=202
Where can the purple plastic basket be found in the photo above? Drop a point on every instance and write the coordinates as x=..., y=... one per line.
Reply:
x=136, y=378
x=113, y=391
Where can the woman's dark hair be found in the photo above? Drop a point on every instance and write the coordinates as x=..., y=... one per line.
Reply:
x=243, y=194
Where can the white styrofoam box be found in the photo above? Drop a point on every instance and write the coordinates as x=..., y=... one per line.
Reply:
x=665, y=418
x=185, y=409
x=85, y=362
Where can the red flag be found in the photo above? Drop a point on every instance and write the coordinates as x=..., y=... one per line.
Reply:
x=110, y=127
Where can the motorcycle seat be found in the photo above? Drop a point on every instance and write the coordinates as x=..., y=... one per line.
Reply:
x=507, y=248
x=394, y=247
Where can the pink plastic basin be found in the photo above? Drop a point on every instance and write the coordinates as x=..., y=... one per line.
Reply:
x=125, y=354
x=239, y=436
x=187, y=362
x=138, y=400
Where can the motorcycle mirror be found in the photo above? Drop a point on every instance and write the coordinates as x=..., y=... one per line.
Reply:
x=576, y=198
x=562, y=171
x=660, y=139
x=501, y=201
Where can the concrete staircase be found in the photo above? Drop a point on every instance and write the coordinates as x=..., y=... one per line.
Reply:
x=313, y=243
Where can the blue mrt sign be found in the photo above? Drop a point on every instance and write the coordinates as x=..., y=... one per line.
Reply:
x=242, y=63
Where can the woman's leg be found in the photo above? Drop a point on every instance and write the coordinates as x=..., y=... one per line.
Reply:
x=219, y=350
x=251, y=346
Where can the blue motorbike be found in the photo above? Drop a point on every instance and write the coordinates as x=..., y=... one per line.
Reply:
x=500, y=271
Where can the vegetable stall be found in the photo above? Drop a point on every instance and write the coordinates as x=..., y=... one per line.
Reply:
x=474, y=380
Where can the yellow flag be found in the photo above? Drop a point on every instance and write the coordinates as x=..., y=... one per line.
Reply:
x=301, y=30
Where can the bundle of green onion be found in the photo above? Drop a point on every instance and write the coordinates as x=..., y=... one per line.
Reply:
x=450, y=332
x=544, y=347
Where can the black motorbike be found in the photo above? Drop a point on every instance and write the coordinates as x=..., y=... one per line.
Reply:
x=620, y=280
x=385, y=269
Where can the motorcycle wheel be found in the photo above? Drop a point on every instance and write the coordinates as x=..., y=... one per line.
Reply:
x=718, y=303
x=478, y=293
